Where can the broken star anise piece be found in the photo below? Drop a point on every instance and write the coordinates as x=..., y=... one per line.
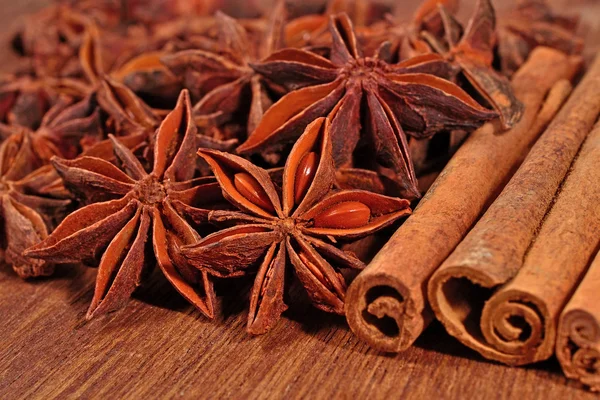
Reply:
x=295, y=231
x=473, y=54
x=389, y=99
x=225, y=79
x=138, y=224
x=28, y=209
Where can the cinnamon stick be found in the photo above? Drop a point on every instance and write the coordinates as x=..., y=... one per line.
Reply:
x=516, y=324
x=385, y=305
x=578, y=340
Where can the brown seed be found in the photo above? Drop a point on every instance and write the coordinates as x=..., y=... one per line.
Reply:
x=251, y=190
x=346, y=215
x=304, y=175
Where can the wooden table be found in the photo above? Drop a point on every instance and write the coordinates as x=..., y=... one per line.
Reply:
x=160, y=347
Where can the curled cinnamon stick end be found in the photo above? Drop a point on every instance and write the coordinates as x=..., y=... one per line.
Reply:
x=578, y=340
x=497, y=292
x=386, y=304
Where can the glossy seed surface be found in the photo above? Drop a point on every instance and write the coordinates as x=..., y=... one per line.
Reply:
x=251, y=190
x=304, y=175
x=346, y=215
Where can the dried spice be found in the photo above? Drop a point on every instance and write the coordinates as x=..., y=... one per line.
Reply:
x=226, y=78
x=386, y=303
x=390, y=99
x=532, y=23
x=68, y=128
x=141, y=218
x=292, y=231
x=473, y=53
x=24, y=101
x=29, y=206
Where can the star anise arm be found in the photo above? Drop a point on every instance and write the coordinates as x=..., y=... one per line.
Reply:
x=194, y=286
x=93, y=178
x=246, y=186
x=231, y=252
x=202, y=61
x=335, y=256
x=196, y=201
x=286, y=119
x=266, y=297
x=17, y=158
x=50, y=209
x=344, y=48
x=23, y=227
x=433, y=103
x=430, y=63
x=174, y=151
x=346, y=126
x=147, y=75
x=353, y=214
x=90, y=54
x=295, y=68
x=479, y=37
x=84, y=232
x=273, y=38
x=309, y=171
x=390, y=145
x=324, y=285
x=121, y=266
x=233, y=36
x=218, y=105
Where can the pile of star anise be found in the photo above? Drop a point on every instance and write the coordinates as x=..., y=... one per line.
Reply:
x=165, y=132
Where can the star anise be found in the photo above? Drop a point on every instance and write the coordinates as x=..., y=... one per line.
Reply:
x=532, y=23
x=225, y=79
x=142, y=217
x=294, y=230
x=51, y=39
x=311, y=31
x=68, y=128
x=473, y=54
x=389, y=99
x=24, y=101
x=29, y=206
x=407, y=41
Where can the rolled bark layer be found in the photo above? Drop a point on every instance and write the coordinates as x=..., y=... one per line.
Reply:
x=578, y=339
x=514, y=321
x=385, y=305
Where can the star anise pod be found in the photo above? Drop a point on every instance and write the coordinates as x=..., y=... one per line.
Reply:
x=292, y=231
x=68, y=128
x=29, y=206
x=51, y=39
x=142, y=218
x=389, y=99
x=24, y=101
x=473, y=53
x=532, y=23
x=227, y=78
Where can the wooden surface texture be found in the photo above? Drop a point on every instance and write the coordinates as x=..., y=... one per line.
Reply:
x=159, y=347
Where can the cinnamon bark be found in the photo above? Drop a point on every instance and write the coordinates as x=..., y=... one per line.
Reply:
x=578, y=340
x=386, y=303
x=515, y=322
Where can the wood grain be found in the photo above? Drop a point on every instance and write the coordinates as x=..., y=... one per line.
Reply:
x=160, y=347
